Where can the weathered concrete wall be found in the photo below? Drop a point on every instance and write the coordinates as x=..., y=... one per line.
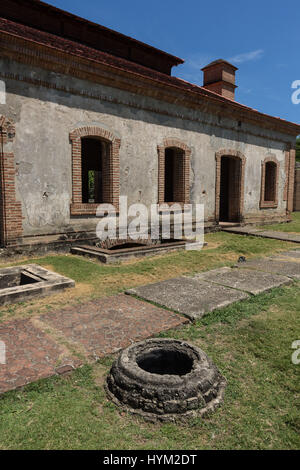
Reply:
x=44, y=117
x=297, y=188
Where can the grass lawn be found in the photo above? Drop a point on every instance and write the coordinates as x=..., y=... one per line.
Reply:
x=94, y=280
x=292, y=227
x=251, y=344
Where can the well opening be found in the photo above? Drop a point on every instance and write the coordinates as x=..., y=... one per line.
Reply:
x=165, y=379
x=27, y=279
x=165, y=362
x=16, y=279
x=20, y=283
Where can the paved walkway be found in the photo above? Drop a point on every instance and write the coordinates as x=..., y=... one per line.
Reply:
x=62, y=340
x=208, y=291
x=256, y=232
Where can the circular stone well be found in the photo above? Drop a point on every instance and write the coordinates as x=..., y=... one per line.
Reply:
x=165, y=379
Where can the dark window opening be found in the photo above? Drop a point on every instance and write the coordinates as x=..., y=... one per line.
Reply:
x=174, y=175
x=92, y=171
x=270, y=181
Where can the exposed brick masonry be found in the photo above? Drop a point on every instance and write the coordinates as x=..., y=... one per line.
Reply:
x=183, y=192
x=11, y=229
x=263, y=202
x=111, y=169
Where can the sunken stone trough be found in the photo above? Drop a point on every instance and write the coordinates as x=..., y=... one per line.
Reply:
x=20, y=283
x=126, y=250
x=165, y=380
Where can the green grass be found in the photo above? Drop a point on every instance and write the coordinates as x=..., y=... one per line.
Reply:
x=249, y=341
x=251, y=344
x=293, y=226
x=94, y=280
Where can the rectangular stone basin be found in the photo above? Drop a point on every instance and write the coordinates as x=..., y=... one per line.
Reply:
x=122, y=254
x=20, y=283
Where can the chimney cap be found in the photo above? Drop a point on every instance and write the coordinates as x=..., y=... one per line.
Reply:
x=217, y=62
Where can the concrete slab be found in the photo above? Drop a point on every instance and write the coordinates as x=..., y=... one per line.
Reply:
x=256, y=232
x=274, y=265
x=246, y=230
x=283, y=236
x=291, y=255
x=20, y=283
x=188, y=296
x=246, y=280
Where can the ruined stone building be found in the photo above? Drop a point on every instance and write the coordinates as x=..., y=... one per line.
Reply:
x=91, y=114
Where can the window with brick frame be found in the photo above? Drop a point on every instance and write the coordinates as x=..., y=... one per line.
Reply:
x=95, y=170
x=173, y=172
x=269, y=183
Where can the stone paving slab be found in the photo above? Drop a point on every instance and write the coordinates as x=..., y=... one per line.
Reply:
x=274, y=265
x=108, y=325
x=246, y=280
x=256, y=232
x=189, y=296
x=245, y=230
x=295, y=254
x=284, y=236
x=30, y=355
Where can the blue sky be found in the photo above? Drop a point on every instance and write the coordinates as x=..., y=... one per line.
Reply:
x=262, y=38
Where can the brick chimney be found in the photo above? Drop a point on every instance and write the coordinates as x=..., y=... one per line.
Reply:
x=219, y=76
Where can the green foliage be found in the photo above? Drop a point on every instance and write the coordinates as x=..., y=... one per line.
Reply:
x=91, y=184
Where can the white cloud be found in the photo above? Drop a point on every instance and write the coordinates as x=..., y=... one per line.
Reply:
x=247, y=56
x=197, y=61
x=191, y=69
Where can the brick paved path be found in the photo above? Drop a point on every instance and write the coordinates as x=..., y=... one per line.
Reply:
x=43, y=346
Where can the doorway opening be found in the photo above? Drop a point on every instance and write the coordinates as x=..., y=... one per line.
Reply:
x=230, y=189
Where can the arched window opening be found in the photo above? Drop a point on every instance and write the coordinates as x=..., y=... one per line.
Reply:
x=270, y=182
x=174, y=175
x=94, y=170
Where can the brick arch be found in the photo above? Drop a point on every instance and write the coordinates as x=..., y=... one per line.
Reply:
x=112, y=169
x=269, y=204
x=11, y=227
x=177, y=144
x=238, y=155
x=90, y=131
